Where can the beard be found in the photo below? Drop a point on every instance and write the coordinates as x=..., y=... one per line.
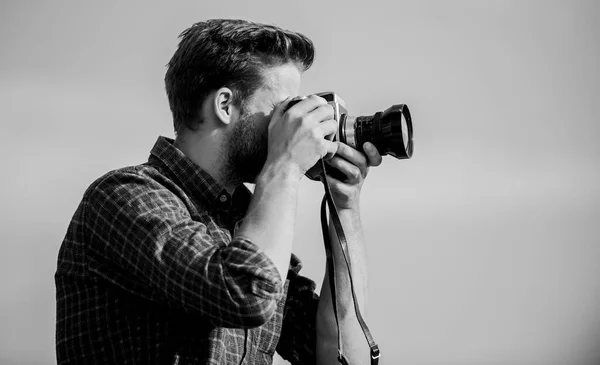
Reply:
x=245, y=150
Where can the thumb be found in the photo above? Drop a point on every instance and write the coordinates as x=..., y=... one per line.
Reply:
x=281, y=108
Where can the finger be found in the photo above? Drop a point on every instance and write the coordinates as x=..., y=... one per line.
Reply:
x=340, y=186
x=329, y=149
x=352, y=172
x=372, y=154
x=281, y=108
x=328, y=128
x=321, y=113
x=353, y=156
x=308, y=104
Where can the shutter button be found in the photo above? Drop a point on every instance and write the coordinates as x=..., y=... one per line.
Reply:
x=223, y=198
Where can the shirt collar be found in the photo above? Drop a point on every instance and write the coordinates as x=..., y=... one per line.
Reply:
x=196, y=182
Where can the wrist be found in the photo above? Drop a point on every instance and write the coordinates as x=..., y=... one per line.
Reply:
x=350, y=212
x=352, y=205
x=279, y=173
x=347, y=204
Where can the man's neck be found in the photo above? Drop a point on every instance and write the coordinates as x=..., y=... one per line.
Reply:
x=204, y=149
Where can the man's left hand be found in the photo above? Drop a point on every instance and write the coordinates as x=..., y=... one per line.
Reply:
x=354, y=165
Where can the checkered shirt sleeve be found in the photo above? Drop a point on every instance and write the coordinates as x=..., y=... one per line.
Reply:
x=147, y=231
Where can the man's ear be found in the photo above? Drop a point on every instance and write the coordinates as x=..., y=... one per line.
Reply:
x=223, y=105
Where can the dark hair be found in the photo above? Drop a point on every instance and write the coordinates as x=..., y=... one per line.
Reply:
x=231, y=53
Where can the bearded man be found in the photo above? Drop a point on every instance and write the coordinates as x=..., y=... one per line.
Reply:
x=175, y=261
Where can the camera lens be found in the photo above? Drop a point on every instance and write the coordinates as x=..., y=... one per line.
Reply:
x=390, y=131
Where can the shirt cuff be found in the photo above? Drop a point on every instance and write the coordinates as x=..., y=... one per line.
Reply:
x=266, y=281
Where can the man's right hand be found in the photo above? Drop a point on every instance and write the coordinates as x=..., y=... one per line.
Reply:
x=297, y=135
x=296, y=142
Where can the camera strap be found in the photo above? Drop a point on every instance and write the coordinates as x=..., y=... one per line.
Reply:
x=327, y=199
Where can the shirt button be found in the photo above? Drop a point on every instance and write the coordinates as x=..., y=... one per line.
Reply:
x=223, y=198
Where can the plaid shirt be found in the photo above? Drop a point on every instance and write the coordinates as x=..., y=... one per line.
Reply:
x=148, y=273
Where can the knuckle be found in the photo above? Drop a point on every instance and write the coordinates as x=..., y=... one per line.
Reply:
x=328, y=111
x=342, y=149
x=305, y=119
x=322, y=101
x=323, y=143
x=331, y=109
x=316, y=97
x=316, y=133
x=336, y=147
x=293, y=114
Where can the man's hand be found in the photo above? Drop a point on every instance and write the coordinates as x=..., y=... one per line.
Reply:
x=297, y=135
x=355, y=166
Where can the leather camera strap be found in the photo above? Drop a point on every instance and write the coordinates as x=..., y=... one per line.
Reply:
x=327, y=199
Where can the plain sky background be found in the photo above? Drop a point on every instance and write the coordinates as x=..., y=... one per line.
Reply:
x=483, y=249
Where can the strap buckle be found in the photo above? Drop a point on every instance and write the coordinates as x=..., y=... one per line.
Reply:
x=375, y=354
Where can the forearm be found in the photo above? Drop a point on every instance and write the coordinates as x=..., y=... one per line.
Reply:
x=270, y=220
x=356, y=349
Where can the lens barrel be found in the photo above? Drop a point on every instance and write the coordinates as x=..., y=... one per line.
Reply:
x=391, y=131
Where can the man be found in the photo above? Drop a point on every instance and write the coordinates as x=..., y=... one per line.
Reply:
x=174, y=261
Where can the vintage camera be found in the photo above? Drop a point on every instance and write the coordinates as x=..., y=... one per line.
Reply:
x=391, y=131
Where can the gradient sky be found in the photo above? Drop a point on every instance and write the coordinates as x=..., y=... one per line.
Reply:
x=483, y=249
